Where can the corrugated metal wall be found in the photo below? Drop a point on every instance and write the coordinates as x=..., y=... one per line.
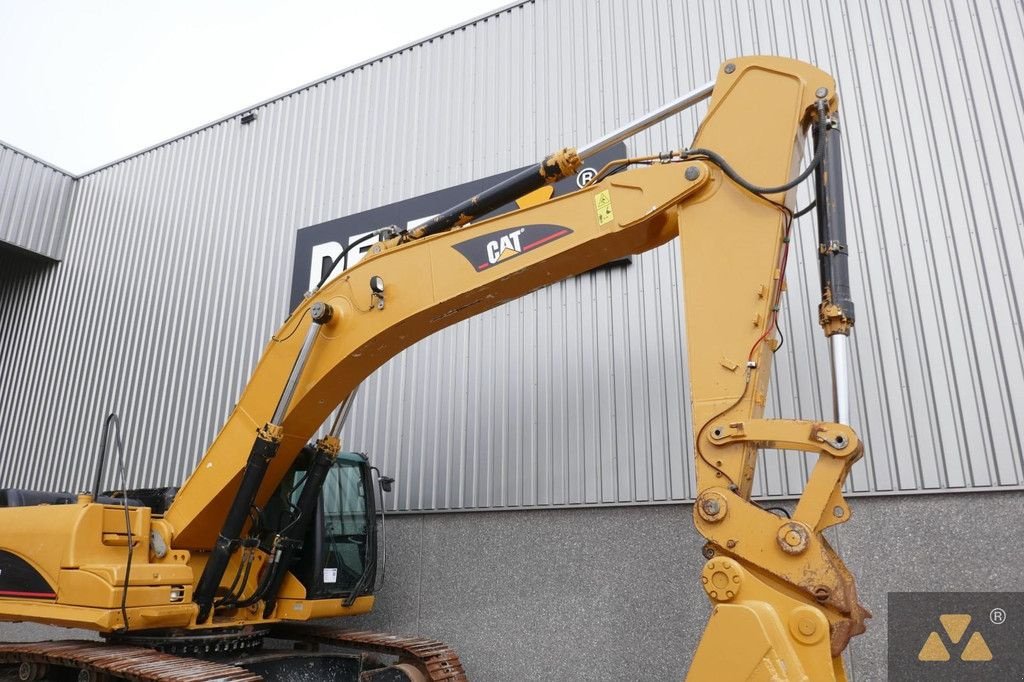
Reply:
x=178, y=262
x=34, y=202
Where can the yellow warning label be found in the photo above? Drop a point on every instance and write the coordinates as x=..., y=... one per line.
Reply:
x=955, y=625
x=603, y=203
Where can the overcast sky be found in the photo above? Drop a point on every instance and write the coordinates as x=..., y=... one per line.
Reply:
x=84, y=82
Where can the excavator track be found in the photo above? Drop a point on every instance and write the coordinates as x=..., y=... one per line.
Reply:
x=99, y=660
x=93, y=660
x=434, y=659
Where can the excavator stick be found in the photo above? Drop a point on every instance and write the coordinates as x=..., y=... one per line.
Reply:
x=775, y=583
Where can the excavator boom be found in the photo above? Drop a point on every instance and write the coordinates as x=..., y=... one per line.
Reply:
x=784, y=605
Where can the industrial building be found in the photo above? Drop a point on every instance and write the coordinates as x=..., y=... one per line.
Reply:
x=541, y=517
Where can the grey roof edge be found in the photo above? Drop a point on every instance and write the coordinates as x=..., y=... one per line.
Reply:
x=312, y=84
x=24, y=153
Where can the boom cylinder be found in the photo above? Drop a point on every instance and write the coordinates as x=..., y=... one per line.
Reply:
x=559, y=165
x=288, y=540
x=268, y=439
x=836, y=312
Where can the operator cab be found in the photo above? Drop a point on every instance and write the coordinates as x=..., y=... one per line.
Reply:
x=338, y=558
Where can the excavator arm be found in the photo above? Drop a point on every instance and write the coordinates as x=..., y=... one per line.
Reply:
x=776, y=576
x=784, y=605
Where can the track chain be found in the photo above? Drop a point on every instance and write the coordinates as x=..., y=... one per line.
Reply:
x=123, y=662
x=434, y=659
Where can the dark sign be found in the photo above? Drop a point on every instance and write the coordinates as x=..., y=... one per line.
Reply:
x=974, y=636
x=317, y=246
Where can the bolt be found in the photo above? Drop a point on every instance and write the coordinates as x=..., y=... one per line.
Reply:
x=730, y=544
x=837, y=512
x=708, y=551
x=822, y=593
x=729, y=68
x=320, y=312
x=820, y=93
x=692, y=173
x=711, y=507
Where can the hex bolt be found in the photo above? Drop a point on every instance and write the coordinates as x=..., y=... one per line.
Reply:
x=838, y=512
x=692, y=173
x=729, y=68
x=820, y=93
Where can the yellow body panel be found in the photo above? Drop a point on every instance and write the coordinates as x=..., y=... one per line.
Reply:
x=311, y=609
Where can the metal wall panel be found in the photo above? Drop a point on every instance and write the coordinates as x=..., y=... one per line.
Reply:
x=178, y=262
x=34, y=202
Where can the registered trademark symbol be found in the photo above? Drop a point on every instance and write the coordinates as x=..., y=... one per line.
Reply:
x=584, y=177
x=997, y=616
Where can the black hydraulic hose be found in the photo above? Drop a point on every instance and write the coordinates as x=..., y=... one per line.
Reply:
x=341, y=256
x=819, y=153
x=112, y=420
x=805, y=210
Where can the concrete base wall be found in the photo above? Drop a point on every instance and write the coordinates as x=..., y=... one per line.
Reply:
x=614, y=594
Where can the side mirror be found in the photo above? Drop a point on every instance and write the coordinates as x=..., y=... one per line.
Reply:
x=386, y=483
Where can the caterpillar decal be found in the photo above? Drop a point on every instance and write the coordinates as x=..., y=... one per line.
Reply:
x=18, y=579
x=490, y=249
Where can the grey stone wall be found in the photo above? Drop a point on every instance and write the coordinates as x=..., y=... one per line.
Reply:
x=614, y=594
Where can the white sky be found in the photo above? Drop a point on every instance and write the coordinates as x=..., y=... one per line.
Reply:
x=84, y=82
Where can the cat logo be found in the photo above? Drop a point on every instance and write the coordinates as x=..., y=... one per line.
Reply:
x=507, y=246
x=955, y=625
x=491, y=249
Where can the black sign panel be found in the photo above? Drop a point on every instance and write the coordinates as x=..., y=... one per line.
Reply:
x=935, y=636
x=317, y=245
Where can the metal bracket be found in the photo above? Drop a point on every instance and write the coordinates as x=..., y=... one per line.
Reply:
x=832, y=247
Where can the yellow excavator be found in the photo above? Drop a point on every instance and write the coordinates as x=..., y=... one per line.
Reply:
x=270, y=531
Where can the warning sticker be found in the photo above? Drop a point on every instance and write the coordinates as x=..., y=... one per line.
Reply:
x=330, y=575
x=603, y=203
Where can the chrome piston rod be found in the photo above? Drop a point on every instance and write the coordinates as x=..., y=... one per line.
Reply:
x=647, y=120
x=839, y=358
x=343, y=412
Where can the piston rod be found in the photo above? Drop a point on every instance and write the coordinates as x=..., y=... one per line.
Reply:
x=646, y=121
x=559, y=165
x=839, y=356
